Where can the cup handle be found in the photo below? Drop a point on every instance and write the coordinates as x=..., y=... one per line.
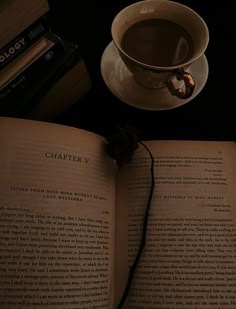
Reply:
x=189, y=84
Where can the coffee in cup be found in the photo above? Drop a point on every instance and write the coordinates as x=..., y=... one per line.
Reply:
x=158, y=40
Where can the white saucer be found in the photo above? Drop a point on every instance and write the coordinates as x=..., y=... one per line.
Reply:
x=121, y=83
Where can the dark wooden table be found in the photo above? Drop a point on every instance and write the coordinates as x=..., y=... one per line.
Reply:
x=209, y=116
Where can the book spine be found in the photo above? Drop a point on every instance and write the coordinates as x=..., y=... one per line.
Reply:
x=23, y=40
x=22, y=102
x=21, y=82
x=71, y=58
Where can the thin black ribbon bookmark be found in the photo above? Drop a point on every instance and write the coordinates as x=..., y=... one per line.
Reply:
x=121, y=147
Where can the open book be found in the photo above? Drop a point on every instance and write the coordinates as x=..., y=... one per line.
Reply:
x=70, y=222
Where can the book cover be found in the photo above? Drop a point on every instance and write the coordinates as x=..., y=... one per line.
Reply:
x=65, y=92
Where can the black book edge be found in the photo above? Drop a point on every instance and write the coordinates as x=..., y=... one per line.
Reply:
x=24, y=40
x=38, y=66
x=22, y=104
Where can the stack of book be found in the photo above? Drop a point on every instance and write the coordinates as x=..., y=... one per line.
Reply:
x=41, y=74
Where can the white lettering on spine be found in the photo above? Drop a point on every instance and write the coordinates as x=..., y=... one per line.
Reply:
x=12, y=50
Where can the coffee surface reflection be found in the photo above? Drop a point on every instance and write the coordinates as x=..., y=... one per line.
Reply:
x=157, y=42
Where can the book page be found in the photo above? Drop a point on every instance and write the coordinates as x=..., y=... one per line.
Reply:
x=189, y=259
x=56, y=217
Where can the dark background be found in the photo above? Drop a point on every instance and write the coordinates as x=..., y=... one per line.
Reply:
x=209, y=116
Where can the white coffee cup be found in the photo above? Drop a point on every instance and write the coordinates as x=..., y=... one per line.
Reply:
x=155, y=75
